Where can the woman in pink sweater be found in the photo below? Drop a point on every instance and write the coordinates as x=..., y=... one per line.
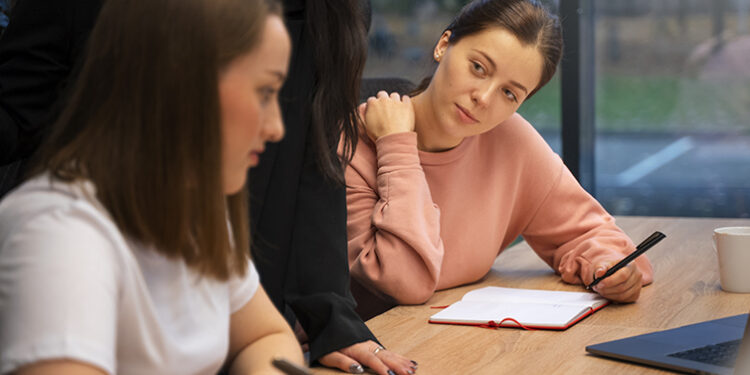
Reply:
x=445, y=181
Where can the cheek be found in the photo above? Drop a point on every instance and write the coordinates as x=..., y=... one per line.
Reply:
x=501, y=111
x=240, y=118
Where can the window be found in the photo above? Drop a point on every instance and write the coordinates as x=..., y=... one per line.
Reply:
x=669, y=98
x=672, y=107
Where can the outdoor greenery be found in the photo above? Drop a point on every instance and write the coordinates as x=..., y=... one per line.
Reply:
x=652, y=104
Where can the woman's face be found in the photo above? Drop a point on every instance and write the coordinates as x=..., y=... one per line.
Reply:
x=248, y=94
x=481, y=80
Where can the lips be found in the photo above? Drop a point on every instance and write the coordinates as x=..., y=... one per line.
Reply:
x=254, y=156
x=465, y=115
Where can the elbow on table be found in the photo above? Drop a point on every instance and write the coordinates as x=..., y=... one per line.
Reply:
x=413, y=295
x=405, y=285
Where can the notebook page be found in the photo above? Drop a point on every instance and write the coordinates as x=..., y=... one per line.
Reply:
x=514, y=295
x=531, y=314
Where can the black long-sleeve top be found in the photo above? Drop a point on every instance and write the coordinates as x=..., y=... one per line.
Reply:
x=299, y=217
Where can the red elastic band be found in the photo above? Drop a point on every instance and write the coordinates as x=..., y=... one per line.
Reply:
x=493, y=325
x=439, y=307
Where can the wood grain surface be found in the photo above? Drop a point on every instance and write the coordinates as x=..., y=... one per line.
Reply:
x=686, y=290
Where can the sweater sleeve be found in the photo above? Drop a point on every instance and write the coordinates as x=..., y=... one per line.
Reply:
x=393, y=225
x=573, y=233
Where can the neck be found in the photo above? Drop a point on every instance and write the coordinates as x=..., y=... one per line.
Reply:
x=430, y=135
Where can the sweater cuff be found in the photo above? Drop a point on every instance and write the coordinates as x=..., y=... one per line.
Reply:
x=397, y=151
x=330, y=322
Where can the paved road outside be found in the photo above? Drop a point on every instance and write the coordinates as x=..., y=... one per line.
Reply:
x=672, y=174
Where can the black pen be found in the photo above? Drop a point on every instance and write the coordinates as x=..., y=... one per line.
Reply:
x=640, y=249
x=290, y=368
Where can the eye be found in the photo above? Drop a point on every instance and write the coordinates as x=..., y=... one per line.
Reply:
x=510, y=95
x=477, y=68
x=266, y=95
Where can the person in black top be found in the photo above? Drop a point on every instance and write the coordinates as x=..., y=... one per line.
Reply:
x=298, y=206
x=297, y=192
x=38, y=52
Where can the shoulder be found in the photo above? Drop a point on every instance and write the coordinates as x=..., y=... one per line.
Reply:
x=523, y=155
x=47, y=219
x=516, y=139
x=61, y=268
x=517, y=133
x=242, y=289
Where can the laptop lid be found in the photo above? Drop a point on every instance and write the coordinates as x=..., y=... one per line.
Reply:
x=659, y=348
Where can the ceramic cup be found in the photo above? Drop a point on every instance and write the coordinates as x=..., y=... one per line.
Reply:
x=732, y=246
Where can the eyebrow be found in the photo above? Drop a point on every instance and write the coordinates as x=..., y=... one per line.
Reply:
x=494, y=67
x=278, y=74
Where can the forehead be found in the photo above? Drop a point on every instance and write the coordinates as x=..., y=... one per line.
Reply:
x=275, y=45
x=520, y=62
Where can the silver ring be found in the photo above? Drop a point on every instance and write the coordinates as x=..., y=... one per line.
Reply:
x=379, y=348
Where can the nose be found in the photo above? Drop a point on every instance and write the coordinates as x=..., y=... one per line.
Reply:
x=482, y=94
x=273, y=126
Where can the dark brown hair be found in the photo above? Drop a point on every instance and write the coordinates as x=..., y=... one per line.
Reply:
x=528, y=20
x=143, y=124
x=339, y=34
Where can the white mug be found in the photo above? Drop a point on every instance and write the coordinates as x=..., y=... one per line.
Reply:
x=733, y=248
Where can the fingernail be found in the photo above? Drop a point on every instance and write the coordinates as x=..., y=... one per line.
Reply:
x=414, y=362
x=356, y=368
x=411, y=372
x=390, y=372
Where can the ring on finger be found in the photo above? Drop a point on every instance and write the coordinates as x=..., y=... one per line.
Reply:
x=377, y=349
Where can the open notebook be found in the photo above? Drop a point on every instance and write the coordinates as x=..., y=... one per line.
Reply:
x=527, y=308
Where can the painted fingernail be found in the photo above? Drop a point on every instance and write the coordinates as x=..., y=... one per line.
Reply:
x=390, y=372
x=356, y=368
x=411, y=372
x=414, y=362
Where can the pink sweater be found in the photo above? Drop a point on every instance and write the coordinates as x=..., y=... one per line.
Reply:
x=420, y=221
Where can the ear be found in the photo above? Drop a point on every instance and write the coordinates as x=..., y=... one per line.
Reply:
x=442, y=45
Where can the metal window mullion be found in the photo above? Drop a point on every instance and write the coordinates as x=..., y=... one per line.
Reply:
x=577, y=85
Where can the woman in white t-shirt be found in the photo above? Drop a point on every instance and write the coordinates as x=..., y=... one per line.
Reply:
x=126, y=250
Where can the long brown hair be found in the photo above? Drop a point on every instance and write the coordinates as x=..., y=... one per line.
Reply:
x=528, y=20
x=143, y=124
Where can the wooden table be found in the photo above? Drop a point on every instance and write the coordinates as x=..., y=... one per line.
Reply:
x=686, y=290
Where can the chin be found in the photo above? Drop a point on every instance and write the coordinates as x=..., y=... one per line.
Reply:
x=234, y=187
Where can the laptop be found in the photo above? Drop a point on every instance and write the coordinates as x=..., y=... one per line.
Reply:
x=711, y=347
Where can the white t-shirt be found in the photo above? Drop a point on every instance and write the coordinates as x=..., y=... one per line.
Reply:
x=72, y=286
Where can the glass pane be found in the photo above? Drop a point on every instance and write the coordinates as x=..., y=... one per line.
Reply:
x=403, y=35
x=673, y=107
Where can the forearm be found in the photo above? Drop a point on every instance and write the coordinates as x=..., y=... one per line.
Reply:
x=393, y=223
x=317, y=284
x=573, y=233
x=256, y=358
x=330, y=321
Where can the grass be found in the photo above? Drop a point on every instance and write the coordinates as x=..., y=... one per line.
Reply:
x=653, y=104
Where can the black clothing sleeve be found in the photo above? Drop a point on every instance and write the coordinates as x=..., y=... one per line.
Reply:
x=38, y=52
x=318, y=286
x=298, y=217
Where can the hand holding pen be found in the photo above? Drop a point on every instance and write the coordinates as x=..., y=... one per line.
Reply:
x=623, y=280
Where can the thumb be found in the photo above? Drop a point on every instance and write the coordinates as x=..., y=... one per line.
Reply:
x=600, y=270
